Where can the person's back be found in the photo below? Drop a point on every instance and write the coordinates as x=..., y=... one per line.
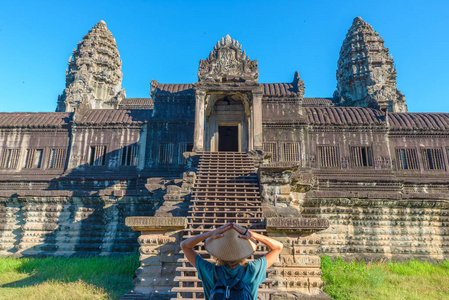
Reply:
x=254, y=274
x=230, y=251
x=232, y=287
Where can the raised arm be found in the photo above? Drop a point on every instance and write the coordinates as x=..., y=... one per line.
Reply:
x=187, y=245
x=274, y=246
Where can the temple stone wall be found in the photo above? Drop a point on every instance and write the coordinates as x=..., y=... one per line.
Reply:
x=109, y=143
x=418, y=168
x=68, y=225
x=346, y=143
x=276, y=109
x=297, y=271
x=166, y=143
x=28, y=152
x=366, y=226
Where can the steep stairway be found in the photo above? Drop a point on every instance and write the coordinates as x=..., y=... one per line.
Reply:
x=226, y=190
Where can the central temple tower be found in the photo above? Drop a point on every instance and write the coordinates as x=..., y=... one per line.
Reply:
x=228, y=114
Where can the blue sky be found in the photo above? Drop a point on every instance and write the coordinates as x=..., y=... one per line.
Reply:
x=164, y=40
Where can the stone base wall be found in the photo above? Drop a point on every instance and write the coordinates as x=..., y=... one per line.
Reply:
x=298, y=268
x=160, y=253
x=379, y=228
x=64, y=226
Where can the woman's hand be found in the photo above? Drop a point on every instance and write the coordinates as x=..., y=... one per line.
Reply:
x=218, y=233
x=244, y=233
x=274, y=246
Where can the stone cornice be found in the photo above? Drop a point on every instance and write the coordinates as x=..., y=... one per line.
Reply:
x=106, y=126
x=156, y=223
x=414, y=134
x=296, y=225
x=63, y=129
x=348, y=128
x=281, y=99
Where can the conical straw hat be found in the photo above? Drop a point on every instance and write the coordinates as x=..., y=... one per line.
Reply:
x=230, y=247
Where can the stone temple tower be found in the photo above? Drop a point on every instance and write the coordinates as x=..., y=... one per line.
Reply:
x=94, y=76
x=366, y=74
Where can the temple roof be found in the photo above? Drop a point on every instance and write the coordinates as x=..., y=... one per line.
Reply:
x=270, y=89
x=279, y=89
x=175, y=88
x=344, y=116
x=35, y=120
x=317, y=102
x=437, y=121
x=136, y=103
x=114, y=116
x=326, y=114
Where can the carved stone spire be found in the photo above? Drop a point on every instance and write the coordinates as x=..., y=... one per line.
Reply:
x=366, y=75
x=228, y=63
x=94, y=76
x=298, y=84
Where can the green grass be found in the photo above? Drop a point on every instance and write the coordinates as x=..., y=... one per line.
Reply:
x=385, y=280
x=111, y=277
x=66, y=278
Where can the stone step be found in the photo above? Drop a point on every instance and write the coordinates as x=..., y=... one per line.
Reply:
x=221, y=190
x=212, y=198
x=228, y=184
x=208, y=207
x=217, y=179
x=221, y=221
x=230, y=196
x=227, y=163
x=226, y=167
x=249, y=203
x=200, y=290
x=195, y=279
x=226, y=190
x=190, y=230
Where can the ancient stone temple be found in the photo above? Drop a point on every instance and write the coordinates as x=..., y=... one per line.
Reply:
x=352, y=175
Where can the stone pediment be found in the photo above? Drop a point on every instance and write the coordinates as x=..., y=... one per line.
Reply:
x=228, y=63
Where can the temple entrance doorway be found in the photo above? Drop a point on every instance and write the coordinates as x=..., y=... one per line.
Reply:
x=228, y=138
x=226, y=124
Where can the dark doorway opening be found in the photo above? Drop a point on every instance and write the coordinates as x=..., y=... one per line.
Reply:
x=228, y=138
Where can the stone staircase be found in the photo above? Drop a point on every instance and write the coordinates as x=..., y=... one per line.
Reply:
x=226, y=190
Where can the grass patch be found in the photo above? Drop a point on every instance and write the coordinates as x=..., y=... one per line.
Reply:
x=67, y=278
x=385, y=280
x=111, y=277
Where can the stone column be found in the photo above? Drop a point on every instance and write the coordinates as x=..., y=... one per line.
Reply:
x=159, y=254
x=198, y=143
x=257, y=121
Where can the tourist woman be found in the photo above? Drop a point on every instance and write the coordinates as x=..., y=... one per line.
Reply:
x=230, y=245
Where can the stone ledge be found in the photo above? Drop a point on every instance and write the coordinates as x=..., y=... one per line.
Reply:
x=156, y=223
x=296, y=224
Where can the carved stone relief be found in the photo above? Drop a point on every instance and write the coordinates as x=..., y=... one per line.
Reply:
x=228, y=63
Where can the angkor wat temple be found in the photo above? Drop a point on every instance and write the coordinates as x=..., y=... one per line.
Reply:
x=352, y=175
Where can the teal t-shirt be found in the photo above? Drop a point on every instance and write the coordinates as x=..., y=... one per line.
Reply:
x=255, y=274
